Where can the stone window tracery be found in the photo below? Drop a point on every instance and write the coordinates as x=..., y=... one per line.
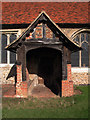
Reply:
x=81, y=58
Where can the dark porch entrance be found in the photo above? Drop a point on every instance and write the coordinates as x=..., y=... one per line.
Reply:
x=47, y=64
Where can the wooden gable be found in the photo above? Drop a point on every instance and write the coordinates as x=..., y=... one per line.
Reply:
x=43, y=29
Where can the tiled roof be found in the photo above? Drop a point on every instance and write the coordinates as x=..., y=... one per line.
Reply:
x=59, y=12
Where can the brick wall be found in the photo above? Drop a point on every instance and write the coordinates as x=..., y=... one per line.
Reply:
x=67, y=85
x=69, y=72
x=67, y=88
x=21, y=86
x=38, y=32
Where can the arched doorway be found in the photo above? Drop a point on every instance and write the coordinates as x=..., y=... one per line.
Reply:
x=47, y=64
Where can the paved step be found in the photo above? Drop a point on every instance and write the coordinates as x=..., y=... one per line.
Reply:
x=42, y=91
x=8, y=90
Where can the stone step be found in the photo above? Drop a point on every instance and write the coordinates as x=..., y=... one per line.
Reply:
x=42, y=91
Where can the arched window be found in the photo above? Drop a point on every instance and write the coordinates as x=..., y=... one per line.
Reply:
x=82, y=37
x=76, y=39
x=3, y=51
x=81, y=58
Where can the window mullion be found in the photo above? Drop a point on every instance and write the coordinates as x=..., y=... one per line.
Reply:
x=8, y=52
x=44, y=30
x=0, y=46
x=80, y=51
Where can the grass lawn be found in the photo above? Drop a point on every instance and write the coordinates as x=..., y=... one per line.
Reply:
x=69, y=107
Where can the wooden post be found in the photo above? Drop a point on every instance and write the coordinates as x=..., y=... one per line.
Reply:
x=21, y=57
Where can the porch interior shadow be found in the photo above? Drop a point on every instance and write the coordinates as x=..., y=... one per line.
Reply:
x=47, y=64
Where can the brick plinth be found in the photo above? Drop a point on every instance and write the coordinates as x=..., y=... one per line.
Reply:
x=21, y=86
x=67, y=88
x=67, y=85
x=69, y=72
x=21, y=90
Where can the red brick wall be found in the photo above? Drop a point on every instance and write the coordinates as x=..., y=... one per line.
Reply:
x=39, y=32
x=69, y=72
x=67, y=88
x=67, y=85
x=49, y=33
x=21, y=86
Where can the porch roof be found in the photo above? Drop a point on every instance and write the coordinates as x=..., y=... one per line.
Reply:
x=43, y=16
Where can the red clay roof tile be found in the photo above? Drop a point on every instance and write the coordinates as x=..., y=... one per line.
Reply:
x=59, y=12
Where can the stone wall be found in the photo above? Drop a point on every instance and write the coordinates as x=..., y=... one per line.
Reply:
x=4, y=74
x=80, y=76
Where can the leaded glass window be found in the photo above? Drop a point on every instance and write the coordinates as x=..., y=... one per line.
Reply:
x=81, y=58
x=3, y=51
x=84, y=55
x=7, y=57
x=75, y=59
x=12, y=55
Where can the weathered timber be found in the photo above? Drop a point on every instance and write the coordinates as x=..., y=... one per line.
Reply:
x=21, y=57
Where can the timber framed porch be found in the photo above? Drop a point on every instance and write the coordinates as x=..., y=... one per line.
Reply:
x=43, y=50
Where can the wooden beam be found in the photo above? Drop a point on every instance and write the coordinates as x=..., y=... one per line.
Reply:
x=21, y=57
x=33, y=34
x=44, y=30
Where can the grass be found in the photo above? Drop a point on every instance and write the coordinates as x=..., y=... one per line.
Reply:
x=69, y=107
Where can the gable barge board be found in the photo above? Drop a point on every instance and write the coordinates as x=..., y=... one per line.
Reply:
x=58, y=31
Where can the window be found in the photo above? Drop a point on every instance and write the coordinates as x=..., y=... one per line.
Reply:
x=81, y=58
x=7, y=57
x=3, y=52
x=75, y=59
x=12, y=55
